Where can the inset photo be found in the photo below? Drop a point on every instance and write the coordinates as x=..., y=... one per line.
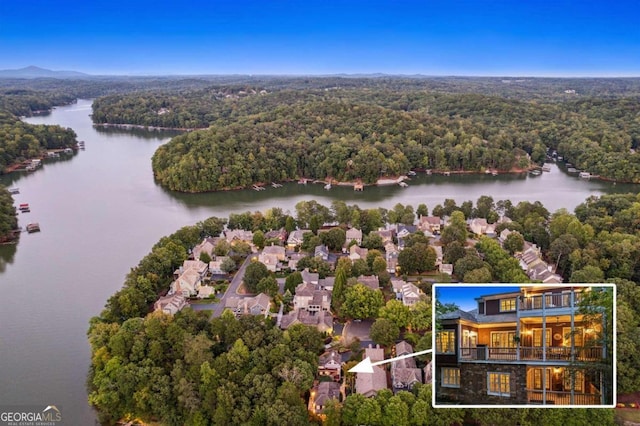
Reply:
x=524, y=345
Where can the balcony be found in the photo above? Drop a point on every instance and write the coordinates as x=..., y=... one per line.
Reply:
x=550, y=301
x=562, y=398
x=552, y=353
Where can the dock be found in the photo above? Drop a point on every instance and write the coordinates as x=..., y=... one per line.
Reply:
x=14, y=191
x=24, y=208
x=403, y=184
x=258, y=188
x=358, y=187
x=276, y=185
x=33, y=227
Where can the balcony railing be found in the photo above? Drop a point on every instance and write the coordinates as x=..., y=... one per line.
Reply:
x=562, y=398
x=552, y=353
x=551, y=301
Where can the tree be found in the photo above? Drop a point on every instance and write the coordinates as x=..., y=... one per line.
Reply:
x=396, y=312
x=268, y=285
x=339, y=288
x=417, y=259
x=213, y=226
x=513, y=243
x=258, y=239
x=228, y=265
x=422, y=210
x=361, y=302
x=253, y=274
x=480, y=275
x=372, y=241
x=453, y=252
x=292, y=282
x=455, y=231
x=204, y=257
x=420, y=316
x=334, y=238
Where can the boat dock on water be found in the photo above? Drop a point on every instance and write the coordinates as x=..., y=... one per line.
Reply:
x=24, y=208
x=33, y=227
x=14, y=191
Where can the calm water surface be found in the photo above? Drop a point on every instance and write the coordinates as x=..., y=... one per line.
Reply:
x=100, y=213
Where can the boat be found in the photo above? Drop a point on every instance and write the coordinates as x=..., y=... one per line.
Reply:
x=428, y=172
x=302, y=181
x=494, y=173
x=446, y=173
x=536, y=172
x=585, y=175
x=276, y=185
x=52, y=154
x=68, y=151
x=33, y=227
x=546, y=168
x=403, y=184
x=14, y=191
x=411, y=173
x=259, y=188
x=327, y=186
x=24, y=207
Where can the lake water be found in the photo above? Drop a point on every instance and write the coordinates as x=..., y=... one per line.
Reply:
x=101, y=211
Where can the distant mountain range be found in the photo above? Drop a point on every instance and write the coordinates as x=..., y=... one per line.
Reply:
x=37, y=72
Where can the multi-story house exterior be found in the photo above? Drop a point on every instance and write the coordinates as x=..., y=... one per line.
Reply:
x=531, y=346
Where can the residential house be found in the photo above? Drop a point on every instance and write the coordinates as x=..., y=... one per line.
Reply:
x=323, y=393
x=431, y=224
x=368, y=384
x=215, y=266
x=188, y=278
x=321, y=320
x=296, y=238
x=386, y=235
x=234, y=235
x=404, y=373
x=170, y=304
x=504, y=234
x=403, y=231
x=271, y=257
x=322, y=252
x=207, y=245
x=354, y=234
x=279, y=234
x=391, y=256
x=408, y=293
x=330, y=364
x=530, y=346
x=478, y=226
x=370, y=281
x=257, y=305
x=310, y=298
x=536, y=268
x=326, y=283
x=293, y=260
x=356, y=252
x=310, y=277
x=446, y=268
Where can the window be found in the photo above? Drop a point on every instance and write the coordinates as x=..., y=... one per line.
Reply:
x=577, y=337
x=507, y=305
x=537, y=378
x=445, y=342
x=450, y=377
x=537, y=337
x=503, y=339
x=578, y=380
x=498, y=384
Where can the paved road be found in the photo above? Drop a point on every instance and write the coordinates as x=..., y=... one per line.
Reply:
x=232, y=290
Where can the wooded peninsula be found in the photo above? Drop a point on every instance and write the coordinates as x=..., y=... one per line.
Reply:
x=364, y=130
x=186, y=368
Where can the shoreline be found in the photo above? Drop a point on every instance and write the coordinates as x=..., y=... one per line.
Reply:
x=143, y=127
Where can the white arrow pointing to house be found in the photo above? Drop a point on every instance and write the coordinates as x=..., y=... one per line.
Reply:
x=366, y=366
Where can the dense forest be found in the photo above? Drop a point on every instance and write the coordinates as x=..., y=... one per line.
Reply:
x=331, y=131
x=188, y=369
x=8, y=215
x=20, y=141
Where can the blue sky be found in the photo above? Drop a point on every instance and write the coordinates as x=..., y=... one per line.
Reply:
x=464, y=295
x=447, y=37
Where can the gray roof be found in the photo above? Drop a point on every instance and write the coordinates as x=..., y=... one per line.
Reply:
x=474, y=316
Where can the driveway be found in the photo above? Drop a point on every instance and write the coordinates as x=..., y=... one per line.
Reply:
x=353, y=329
x=232, y=290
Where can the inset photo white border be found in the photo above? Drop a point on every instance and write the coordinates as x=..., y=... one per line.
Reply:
x=496, y=348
